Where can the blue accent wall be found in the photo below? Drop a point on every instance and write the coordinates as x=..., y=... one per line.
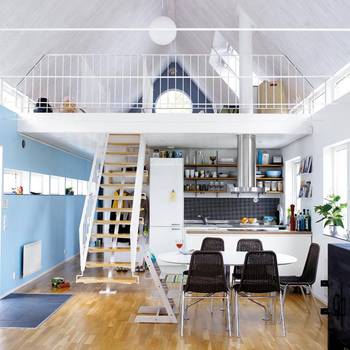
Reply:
x=180, y=81
x=52, y=219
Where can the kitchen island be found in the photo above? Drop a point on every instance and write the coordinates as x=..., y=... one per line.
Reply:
x=283, y=241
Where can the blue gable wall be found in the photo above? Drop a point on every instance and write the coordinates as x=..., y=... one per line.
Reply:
x=181, y=81
x=52, y=219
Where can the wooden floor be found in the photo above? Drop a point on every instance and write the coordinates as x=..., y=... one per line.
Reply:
x=93, y=321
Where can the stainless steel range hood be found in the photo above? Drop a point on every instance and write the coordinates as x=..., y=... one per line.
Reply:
x=246, y=149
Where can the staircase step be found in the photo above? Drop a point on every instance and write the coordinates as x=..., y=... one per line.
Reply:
x=122, y=174
x=112, y=222
x=97, y=264
x=110, y=235
x=132, y=186
x=110, y=249
x=118, y=153
x=119, y=173
x=122, y=164
x=120, y=280
x=116, y=210
x=124, y=198
x=131, y=144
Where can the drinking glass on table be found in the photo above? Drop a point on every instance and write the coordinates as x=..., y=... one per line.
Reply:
x=179, y=244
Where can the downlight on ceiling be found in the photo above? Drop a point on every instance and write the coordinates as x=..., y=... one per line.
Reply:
x=162, y=37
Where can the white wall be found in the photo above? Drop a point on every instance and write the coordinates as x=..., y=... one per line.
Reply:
x=330, y=125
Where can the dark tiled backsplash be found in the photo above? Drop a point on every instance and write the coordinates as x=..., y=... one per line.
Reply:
x=230, y=208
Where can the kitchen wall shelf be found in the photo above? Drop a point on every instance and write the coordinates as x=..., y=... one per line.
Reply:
x=269, y=165
x=210, y=178
x=269, y=179
x=274, y=192
x=205, y=191
x=228, y=165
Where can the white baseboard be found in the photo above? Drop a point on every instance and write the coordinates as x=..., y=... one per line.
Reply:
x=320, y=298
x=39, y=276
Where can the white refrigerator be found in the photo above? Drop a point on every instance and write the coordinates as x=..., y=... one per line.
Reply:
x=166, y=204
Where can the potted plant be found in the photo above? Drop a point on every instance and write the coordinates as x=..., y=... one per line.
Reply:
x=332, y=213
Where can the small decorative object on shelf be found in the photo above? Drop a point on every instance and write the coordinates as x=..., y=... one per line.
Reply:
x=305, y=189
x=306, y=165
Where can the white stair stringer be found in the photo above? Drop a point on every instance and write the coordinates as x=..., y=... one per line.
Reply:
x=107, y=159
x=136, y=208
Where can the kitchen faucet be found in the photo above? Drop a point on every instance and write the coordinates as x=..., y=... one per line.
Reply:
x=203, y=218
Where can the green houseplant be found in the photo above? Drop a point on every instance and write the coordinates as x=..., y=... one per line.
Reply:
x=332, y=213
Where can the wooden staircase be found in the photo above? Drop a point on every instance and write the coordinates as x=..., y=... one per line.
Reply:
x=121, y=178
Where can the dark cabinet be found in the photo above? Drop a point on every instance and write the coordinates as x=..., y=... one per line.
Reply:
x=338, y=296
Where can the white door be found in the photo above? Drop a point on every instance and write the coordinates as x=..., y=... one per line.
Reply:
x=166, y=192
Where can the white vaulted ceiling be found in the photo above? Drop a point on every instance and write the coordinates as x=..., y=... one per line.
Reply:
x=313, y=53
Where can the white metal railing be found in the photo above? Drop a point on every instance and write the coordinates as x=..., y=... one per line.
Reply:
x=136, y=207
x=88, y=215
x=133, y=83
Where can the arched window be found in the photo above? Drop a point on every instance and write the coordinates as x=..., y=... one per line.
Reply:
x=173, y=101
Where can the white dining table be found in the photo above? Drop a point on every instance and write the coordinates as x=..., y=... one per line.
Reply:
x=232, y=258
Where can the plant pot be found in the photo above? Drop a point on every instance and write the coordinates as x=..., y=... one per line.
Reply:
x=333, y=230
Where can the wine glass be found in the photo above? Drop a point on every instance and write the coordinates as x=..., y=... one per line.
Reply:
x=179, y=244
x=213, y=159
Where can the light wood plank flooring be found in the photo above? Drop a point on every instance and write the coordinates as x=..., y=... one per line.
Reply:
x=93, y=321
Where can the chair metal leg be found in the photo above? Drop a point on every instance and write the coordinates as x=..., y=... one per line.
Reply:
x=284, y=293
x=282, y=314
x=237, y=313
x=315, y=304
x=180, y=291
x=182, y=313
x=228, y=310
x=305, y=300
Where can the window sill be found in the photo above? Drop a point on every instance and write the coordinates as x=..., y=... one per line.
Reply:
x=44, y=195
x=340, y=236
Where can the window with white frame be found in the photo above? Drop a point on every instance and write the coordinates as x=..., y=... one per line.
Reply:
x=342, y=86
x=171, y=101
x=71, y=186
x=57, y=185
x=82, y=187
x=292, y=183
x=16, y=181
x=337, y=175
x=39, y=183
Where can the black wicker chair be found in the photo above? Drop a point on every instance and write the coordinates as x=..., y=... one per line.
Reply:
x=213, y=244
x=259, y=276
x=246, y=245
x=206, y=276
x=307, y=278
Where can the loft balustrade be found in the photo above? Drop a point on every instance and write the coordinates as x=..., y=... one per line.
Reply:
x=105, y=83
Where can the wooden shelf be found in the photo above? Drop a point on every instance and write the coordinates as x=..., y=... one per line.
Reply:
x=274, y=192
x=269, y=179
x=210, y=178
x=228, y=165
x=269, y=165
x=206, y=191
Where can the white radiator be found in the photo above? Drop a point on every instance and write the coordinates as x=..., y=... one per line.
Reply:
x=31, y=258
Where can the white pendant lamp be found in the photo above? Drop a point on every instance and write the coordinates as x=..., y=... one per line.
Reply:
x=166, y=36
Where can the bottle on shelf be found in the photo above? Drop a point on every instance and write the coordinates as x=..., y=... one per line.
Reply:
x=292, y=223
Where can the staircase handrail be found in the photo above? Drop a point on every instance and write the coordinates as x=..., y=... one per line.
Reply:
x=88, y=214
